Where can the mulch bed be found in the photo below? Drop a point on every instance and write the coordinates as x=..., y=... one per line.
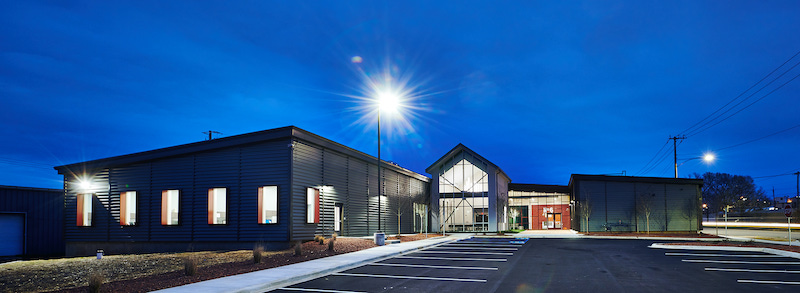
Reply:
x=311, y=250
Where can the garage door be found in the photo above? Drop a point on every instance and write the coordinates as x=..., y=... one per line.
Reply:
x=12, y=231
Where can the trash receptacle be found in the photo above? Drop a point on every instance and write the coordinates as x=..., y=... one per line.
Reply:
x=380, y=239
x=99, y=254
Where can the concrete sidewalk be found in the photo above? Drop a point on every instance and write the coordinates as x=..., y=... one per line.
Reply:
x=270, y=279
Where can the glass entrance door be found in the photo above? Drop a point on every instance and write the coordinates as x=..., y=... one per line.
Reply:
x=554, y=221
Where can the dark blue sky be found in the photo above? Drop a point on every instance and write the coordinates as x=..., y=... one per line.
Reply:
x=542, y=89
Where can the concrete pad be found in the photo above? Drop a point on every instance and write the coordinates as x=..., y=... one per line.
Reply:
x=270, y=279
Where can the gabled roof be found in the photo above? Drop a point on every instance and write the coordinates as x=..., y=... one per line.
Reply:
x=287, y=133
x=461, y=147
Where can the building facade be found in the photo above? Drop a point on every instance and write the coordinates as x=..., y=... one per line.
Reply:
x=469, y=193
x=264, y=188
x=31, y=221
x=635, y=204
x=539, y=207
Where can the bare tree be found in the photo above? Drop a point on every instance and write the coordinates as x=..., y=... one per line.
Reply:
x=689, y=210
x=585, y=208
x=644, y=206
x=404, y=204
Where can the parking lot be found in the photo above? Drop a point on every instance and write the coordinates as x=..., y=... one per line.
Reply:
x=563, y=265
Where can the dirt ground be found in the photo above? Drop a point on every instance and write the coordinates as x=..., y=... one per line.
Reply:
x=148, y=272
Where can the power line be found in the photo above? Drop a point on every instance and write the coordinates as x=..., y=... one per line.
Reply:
x=654, y=157
x=757, y=139
x=745, y=107
x=691, y=128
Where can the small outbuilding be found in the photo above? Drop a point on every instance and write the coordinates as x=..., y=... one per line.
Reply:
x=31, y=221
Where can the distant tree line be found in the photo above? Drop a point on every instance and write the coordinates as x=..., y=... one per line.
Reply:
x=737, y=192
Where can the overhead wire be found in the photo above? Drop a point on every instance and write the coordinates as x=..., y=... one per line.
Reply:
x=653, y=158
x=692, y=129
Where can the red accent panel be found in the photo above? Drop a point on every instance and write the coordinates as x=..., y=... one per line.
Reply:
x=316, y=205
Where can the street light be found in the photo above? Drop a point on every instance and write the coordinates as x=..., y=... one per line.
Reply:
x=707, y=158
x=389, y=101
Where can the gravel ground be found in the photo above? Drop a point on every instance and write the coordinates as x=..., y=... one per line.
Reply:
x=147, y=272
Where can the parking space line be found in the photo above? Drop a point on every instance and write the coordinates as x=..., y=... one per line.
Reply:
x=465, y=252
x=318, y=290
x=752, y=271
x=454, y=258
x=431, y=266
x=474, y=248
x=722, y=255
x=742, y=262
x=768, y=282
x=409, y=277
x=481, y=245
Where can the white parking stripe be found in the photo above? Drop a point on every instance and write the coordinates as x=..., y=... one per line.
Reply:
x=492, y=243
x=752, y=271
x=474, y=248
x=742, y=262
x=319, y=290
x=482, y=245
x=409, y=277
x=465, y=252
x=722, y=255
x=454, y=258
x=768, y=282
x=429, y=266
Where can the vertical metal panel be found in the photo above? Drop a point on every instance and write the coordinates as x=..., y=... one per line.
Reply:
x=307, y=173
x=683, y=207
x=262, y=165
x=131, y=178
x=44, y=213
x=593, y=193
x=621, y=199
x=216, y=169
x=356, y=207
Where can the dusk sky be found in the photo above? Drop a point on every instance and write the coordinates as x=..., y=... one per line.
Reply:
x=543, y=89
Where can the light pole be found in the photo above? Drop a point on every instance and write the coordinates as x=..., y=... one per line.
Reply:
x=389, y=101
x=707, y=157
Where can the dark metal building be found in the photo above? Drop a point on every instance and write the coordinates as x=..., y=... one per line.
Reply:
x=270, y=188
x=635, y=204
x=31, y=221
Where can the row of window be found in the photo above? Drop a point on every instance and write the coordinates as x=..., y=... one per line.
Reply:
x=170, y=207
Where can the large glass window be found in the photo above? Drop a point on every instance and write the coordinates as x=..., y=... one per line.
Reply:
x=217, y=206
x=463, y=176
x=84, y=217
x=127, y=208
x=170, y=200
x=463, y=194
x=312, y=205
x=267, y=204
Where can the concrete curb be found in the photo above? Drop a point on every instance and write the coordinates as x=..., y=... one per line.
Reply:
x=728, y=248
x=271, y=279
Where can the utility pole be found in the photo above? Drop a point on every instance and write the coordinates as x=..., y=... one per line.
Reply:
x=675, y=149
x=210, y=132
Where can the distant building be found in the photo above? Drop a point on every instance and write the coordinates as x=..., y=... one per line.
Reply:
x=539, y=207
x=31, y=221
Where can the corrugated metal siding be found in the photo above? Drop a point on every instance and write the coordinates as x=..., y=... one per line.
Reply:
x=620, y=199
x=595, y=193
x=99, y=231
x=353, y=183
x=684, y=207
x=132, y=178
x=241, y=170
x=43, y=218
x=264, y=165
x=356, y=207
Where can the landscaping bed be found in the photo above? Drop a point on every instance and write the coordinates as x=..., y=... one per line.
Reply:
x=148, y=272
x=739, y=244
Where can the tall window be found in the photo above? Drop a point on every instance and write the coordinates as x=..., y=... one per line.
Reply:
x=127, y=208
x=312, y=205
x=217, y=206
x=84, y=210
x=267, y=204
x=170, y=200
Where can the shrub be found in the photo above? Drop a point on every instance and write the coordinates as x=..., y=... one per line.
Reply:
x=334, y=236
x=258, y=254
x=190, y=265
x=95, y=282
x=298, y=248
x=321, y=240
x=330, y=244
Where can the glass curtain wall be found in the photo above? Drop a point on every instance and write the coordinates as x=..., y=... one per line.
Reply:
x=463, y=194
